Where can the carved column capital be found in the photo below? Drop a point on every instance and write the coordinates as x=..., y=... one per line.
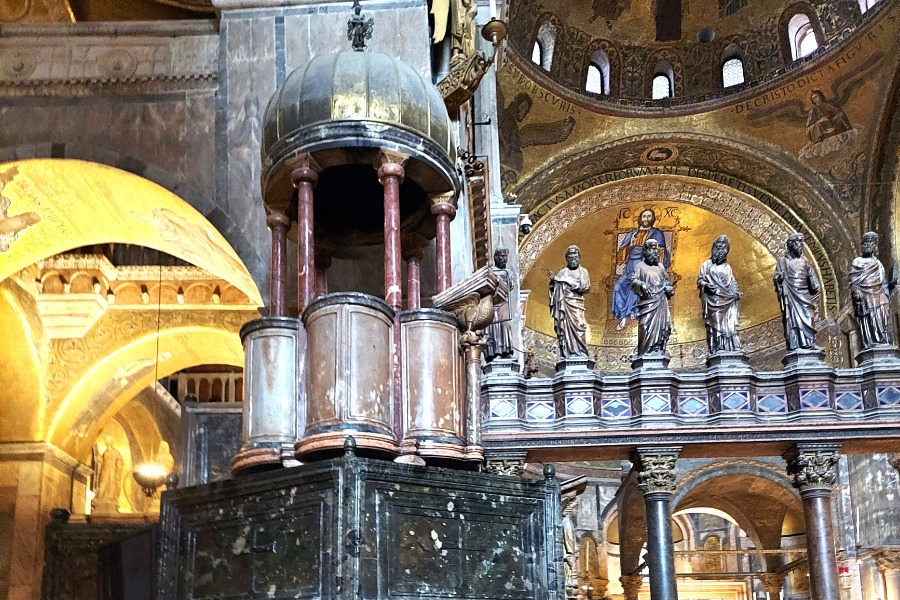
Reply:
x=655, y=469
x=390, y=164
x=813, y=467
x=443, y=208
x=888, y=560
x=278, y=219
x=303, y=168
x=413, y=246
x=773, y=582
x=631, y=585
x=895, y=462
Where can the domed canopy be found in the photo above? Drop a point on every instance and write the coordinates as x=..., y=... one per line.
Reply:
x=343, y=108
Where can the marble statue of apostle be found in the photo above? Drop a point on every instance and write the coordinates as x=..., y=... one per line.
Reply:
x=109, y=480
x=499, y=333
x=567, y=290
x=719, y=297
x=797, y=288
x=870, y=291
x=651, y=284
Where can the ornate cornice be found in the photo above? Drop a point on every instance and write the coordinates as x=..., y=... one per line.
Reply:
x=812, y=466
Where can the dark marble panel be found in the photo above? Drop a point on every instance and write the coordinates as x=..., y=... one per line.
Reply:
x=362, y=528
x=211, y=437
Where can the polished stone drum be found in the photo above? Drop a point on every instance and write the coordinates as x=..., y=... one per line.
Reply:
x=432, y=382
x=349, y=387
x=270, y=394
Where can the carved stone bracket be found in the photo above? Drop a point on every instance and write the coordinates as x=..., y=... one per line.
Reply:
x=472, y=301
x=812, y=466
x=656, y=469
x=466, y=72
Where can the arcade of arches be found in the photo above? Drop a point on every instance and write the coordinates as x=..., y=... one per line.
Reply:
x=136, y=241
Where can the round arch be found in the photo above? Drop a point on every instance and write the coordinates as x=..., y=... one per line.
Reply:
x=22, y=379
x=112, y=382
x=62, y=204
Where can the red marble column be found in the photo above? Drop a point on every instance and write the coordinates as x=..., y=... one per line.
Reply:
x=443, y=213
x=304, y=179
x=323, y=263
x=279, y=224
x=413, y=252
x=391, y=174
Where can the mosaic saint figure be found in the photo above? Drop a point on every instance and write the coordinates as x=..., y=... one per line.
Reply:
x=650, y=282
x=824, y=120
x=630, y=252
x=499, y=333
x=870, y=291
x=567, y=290
x=797, y=288
x=719, y=297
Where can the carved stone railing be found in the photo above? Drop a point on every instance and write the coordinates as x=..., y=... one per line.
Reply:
x=581, y=410
x=211, y=387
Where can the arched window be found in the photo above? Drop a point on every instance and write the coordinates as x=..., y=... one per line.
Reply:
x=543, y=46
x=537, y=54
x=732, y=72
x=802, y=36
x=663, y=81
x=865, y=5
x=598, y=74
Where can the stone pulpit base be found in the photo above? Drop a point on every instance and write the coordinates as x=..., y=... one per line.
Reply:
x=361, y=528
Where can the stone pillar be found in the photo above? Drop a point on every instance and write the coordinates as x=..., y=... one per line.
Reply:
x=888, y=562
x=304, y=178
x=631, y=584
x=656, y=479
x=413, y=252
x=773, y=582
x=279, y=224
x=391, y=174
x=473, y=345
x=813, y=469
x=443, y=209
x=323, y=263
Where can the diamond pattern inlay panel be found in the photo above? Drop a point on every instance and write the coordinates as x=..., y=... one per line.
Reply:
x=888, y=396
x=614, y=407
x=772, y=404
x=655, y=403
x=692, y=405
x=579, y=405
x=848, y=401
x=813, y=399
x=503, y=408
x=540, y=411
x=735, y=401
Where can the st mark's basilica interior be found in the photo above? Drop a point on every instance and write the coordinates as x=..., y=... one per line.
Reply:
x=458, y=299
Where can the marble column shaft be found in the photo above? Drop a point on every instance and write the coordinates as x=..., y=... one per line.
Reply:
x=279, y=225
x=305, y=179
x=656, y=479
x=391, y=174
x=413, y=253
x=443, y=213
x=323, y=262
x=813, y=467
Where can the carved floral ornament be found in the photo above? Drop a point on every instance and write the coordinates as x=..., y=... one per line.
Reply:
x=656, y=473
x=888, y=560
